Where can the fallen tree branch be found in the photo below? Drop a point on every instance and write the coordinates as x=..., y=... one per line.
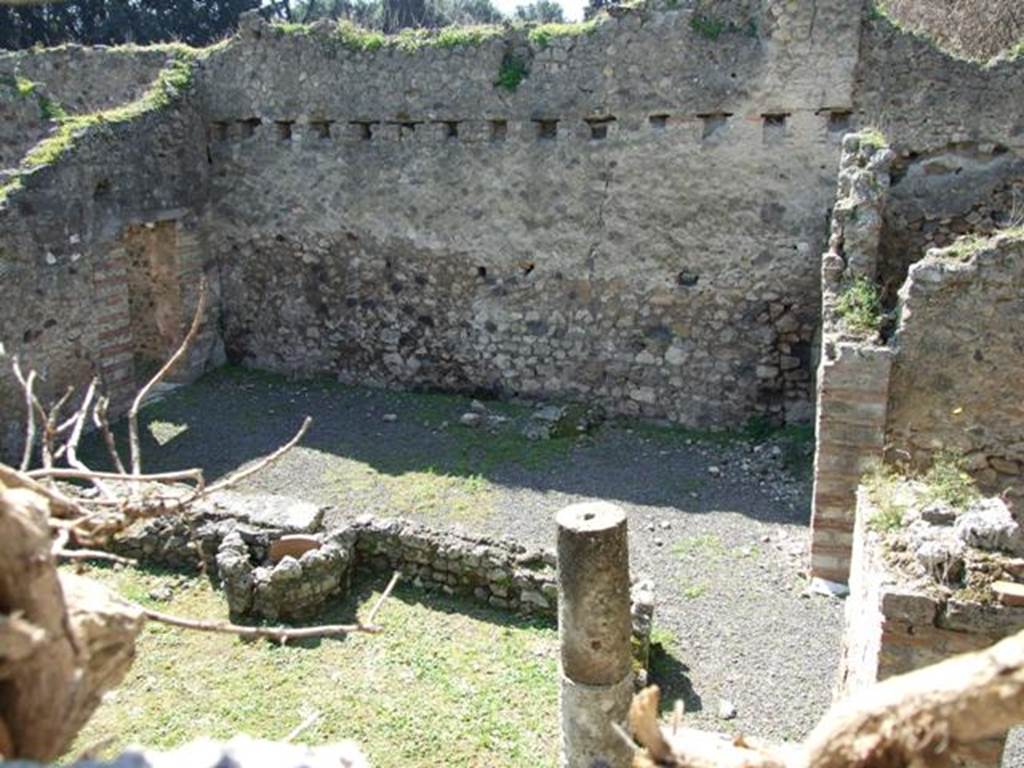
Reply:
x=102, y=422
x=236, y=477
x=93, y=554
x=279, y=634
x=372, y=617
x=134, y=446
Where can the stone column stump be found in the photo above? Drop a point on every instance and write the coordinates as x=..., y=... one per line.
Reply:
x=594, y=629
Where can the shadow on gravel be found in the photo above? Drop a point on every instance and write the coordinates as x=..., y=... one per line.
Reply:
x=232, y=416
x=672, y=676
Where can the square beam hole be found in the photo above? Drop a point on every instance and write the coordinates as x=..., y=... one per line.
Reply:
x=247, y=127
x=363, y=129
x=658, y=123
x=321, y=129
x=774, y=126
x=840, y=121
x=284, y=129
x=599, y=127
x=499, y=130
x=218, y=131
x=547, y=130
x=714, y=124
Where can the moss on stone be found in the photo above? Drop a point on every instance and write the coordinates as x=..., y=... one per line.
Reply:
x=543, y=34
x=170, y=83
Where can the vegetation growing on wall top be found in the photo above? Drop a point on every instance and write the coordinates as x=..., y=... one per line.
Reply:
x=23, y=88
x=357, y=38
x=859, y=307
x=543, y=34
x=170, y=83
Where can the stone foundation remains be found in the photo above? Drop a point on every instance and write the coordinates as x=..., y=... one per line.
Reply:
x=276, y=561
x=929, y=589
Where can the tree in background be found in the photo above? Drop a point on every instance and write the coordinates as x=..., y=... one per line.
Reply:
x=543, y=11
x=110, y=22
x=392, y=15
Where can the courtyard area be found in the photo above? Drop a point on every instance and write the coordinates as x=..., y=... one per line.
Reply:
x=717, y=520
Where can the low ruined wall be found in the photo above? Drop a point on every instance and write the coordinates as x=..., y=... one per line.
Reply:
x=501, y=574
x=959, y=359
x=896, y=624
x=233, y=538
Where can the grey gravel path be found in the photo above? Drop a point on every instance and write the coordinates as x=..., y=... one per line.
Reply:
x=720, y=526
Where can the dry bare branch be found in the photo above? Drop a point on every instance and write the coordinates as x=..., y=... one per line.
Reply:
x=134, y=446
x=62, y=473
x=102, y=422
x=279, y=634
x=302, y=727
x=94, y=554
x=236, y=477
x=27, y=383
x=50, y=430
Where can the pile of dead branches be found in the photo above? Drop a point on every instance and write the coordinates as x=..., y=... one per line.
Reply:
x=65, y=640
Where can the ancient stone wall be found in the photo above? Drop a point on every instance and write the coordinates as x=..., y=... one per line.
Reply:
x=924, y=99
x=38, y=86
x=66, y=277
x=635, y=225
x=978, y=29
x=960, y=357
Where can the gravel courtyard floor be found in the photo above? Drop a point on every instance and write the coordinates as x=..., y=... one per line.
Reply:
x=718, y=521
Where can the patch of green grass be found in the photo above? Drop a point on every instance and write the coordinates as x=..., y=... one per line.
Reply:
x=444, y=677
x=691, y=591
x=704, y=545
x=947, y=481
x=859, y=306
x=543, y=34
x=357, y=38
x=24, y=88
x=428, y=493
x=663, y=638
x=710, y=548
x=708, y=27
x=290, y=28
x=512, y=72
x=883, y=488
x=966, y=246
x=451, y=37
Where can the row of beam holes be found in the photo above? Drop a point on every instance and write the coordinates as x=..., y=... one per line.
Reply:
x=774, y=126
